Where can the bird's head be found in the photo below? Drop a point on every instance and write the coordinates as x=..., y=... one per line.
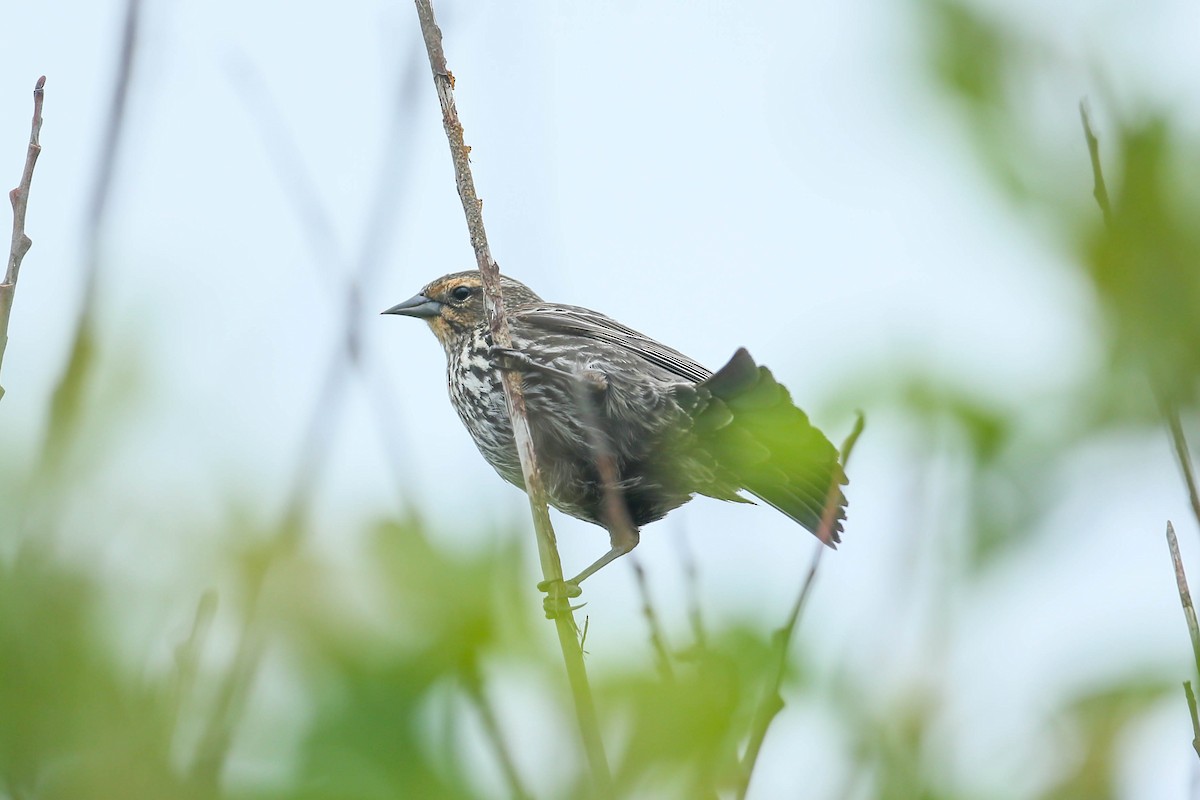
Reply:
x=453, y=304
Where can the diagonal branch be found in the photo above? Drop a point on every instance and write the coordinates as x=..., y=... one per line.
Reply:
x=1189, y=614
x=20, y=202
x=772, y=701
x=1185, y=595
x=493, y=297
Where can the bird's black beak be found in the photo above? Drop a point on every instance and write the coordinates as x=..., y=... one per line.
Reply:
x=417, y=306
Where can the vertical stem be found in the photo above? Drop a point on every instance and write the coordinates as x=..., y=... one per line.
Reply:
x=585, y=709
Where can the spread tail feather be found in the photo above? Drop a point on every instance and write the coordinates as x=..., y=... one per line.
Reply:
x=764, y=444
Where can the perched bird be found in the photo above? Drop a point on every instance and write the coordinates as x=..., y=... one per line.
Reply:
x=625, y=428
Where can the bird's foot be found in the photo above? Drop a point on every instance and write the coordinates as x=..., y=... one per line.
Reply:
x=567, y=588
x=557, y=602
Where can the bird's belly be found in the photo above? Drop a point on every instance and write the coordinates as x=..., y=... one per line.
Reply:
x=477, y=395
x=564, y=448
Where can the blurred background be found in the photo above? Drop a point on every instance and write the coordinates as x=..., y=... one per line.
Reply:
x=247, y=550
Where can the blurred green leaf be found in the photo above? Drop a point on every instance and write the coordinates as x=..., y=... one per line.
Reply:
x=686, y=733
x=71, y=724
x=1099, y=719
x=1144, y=266
x=369, y=738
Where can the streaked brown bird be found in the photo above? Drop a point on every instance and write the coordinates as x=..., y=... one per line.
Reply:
x=616, y=415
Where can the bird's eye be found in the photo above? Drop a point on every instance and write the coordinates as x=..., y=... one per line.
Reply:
x=461, y=293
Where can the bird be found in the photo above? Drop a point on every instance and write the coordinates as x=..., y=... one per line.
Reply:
x=625, y=428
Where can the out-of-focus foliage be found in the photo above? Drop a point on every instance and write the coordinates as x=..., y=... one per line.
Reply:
x=1141, y=260
x=1143, y=264
x=76, y=724
x=72, y=724
x=1100, y=719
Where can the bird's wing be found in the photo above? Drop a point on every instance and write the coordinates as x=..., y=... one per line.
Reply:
x=747, y=422
x=576, y=321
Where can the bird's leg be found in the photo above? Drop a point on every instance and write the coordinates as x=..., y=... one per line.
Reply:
x=591, y=387
x=622, y=533
x=622, y=539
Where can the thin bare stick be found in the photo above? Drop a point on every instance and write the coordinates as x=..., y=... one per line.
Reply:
x=772, y=700
x=473, y=683
x=657, y=640
x=551, y=564
x=19, y=197
x=1189, y=614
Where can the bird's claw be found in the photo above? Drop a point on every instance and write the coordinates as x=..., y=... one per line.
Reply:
x=508, y=358
x=569, y=588
x=557, y=607
x=557, y=602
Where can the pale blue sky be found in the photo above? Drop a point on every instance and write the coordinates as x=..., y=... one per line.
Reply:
x=775, y=175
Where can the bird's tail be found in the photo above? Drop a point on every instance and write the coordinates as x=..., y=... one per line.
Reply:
x=762, y=443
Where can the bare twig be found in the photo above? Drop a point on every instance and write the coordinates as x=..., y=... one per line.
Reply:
x=1099, y=189
x=20, y=204
x=1189, y=614
x=494, y=301
x=772, y=700
x=473, y=683
x=657, y=640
